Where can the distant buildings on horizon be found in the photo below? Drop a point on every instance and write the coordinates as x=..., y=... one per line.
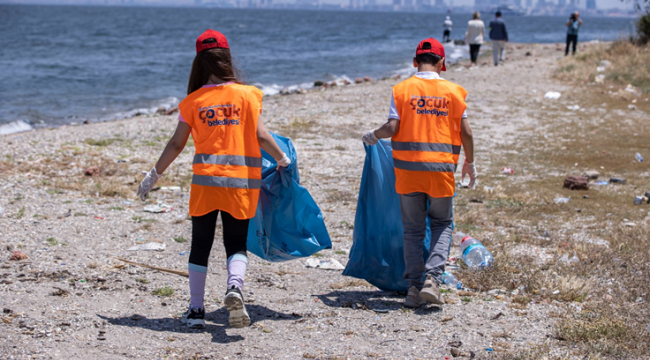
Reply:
x=507, y=7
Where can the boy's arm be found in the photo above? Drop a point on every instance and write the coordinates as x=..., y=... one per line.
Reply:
x=468, y=145
x=389, y=129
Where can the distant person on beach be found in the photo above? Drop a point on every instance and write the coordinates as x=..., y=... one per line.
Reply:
x=499, y=37
x=446, y=34
x=474, y=36
x=428, y=126
x=572, y=28
x=223, y=116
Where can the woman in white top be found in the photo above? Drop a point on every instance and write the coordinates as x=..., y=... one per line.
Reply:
x=474, y=36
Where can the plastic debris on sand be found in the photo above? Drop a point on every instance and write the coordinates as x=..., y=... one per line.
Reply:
x=151, y=246
x=553, y=95
x=327, y=264
x=160, y=208
x=562, y=200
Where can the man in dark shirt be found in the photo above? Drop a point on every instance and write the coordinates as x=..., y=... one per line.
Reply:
x=499, y=37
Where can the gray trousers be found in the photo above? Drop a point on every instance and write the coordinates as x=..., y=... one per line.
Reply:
x=414, y=216
x=498, y=50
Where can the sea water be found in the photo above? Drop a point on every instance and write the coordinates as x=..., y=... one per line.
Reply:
x=68, y=64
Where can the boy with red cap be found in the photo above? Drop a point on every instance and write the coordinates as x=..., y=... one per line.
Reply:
x=428, y=126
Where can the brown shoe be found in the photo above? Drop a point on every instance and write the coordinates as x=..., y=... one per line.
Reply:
x=430, y=292
x=413, y=298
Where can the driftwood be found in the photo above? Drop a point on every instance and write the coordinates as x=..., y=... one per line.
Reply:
x=177, y=272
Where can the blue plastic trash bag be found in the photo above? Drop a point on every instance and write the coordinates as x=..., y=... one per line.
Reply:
x=288, y=224
x=377, y=254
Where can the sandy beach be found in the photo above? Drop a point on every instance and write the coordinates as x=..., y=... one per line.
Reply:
x=72, y=299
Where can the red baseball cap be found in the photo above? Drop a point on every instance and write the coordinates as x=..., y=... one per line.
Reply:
x=220, y=41
x=432, y=46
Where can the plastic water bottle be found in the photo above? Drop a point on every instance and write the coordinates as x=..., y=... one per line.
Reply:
x=638, y=157
x=450, y=279
x=475, y=255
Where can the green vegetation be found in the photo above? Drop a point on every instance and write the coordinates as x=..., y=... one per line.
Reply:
x=119, y=208
x=51, y=241
x=180, y=239
x=143, y=281
x=165, y=291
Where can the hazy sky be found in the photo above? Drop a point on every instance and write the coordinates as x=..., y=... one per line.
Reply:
x=602, y=4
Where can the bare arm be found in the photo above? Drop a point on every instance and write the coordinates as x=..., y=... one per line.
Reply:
x=174, y=147
x=468, y=140
x=389, y=129
x=267, y=142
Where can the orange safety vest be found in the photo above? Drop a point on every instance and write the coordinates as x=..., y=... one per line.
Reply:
x=427, y=144
x=228, y=162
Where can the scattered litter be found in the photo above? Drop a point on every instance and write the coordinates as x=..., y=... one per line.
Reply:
x=475, y=254
x=638, y=157
x=585, y=196
x=148, y=246
x=605, y=63
x=327, y=264
x=629, y=224
x=171, y=271
x=617, y=180
x=553, y=95
x=591, y=174
x=381, y=311
x=507, y=171
x=160, y=208
x=496, y=292
x=1, y=210
x=573, y=107
x=600, y=78
x=455, y=343
x=602, y=182
x=631, y=107
x=127, y=202
x=184, y=253
x=600, y=68
x=556, y=292
x=562, y=200
x=170, y=188
x=565, y=259
x=17, y=255
x=489, y=349
x=98, y=218
x=91, y=171
x=476, y=201
x=631, y=89
x=638, y=200
x=574, y=182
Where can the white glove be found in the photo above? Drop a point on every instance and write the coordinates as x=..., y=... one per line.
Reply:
x=284, y=162
x=370, y=138
x=147, y=183
x=469, y=169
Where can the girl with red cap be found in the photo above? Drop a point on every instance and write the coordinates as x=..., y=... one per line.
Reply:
x=223, y=116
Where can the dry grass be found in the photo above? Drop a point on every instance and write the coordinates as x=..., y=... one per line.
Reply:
x=630, y=65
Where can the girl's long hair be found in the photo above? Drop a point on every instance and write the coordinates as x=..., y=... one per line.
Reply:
x=215, y=61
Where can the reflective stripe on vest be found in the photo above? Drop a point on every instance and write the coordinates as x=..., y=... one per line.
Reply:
x=227, y=182
x=422, y=146
x=424, y=166
x=239, y=160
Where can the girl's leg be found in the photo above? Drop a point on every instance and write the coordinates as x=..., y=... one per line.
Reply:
x=203, y=228
x=235, y=234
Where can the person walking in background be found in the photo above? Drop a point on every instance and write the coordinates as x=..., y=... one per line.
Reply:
x=499, y=37
x=428, y=126
x=446, y=34
x=474, y=36
x=223, y=116
x=572, y=27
